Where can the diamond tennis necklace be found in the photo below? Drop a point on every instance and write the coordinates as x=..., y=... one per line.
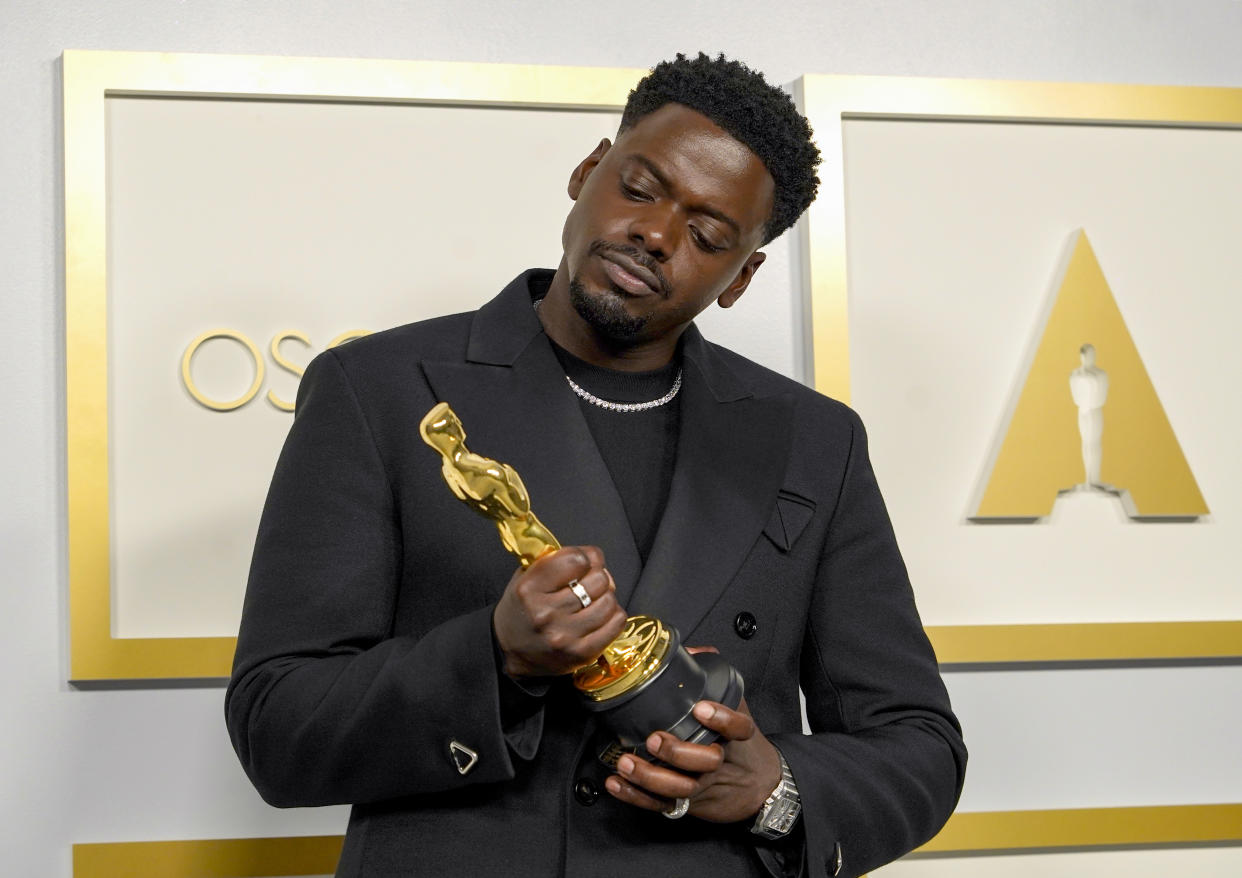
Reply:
x=626, y=407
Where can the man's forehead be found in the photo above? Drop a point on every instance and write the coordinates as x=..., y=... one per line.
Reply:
x=681, y=141
x=677, y=124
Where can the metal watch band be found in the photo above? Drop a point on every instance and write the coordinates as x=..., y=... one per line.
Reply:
x=781, y=808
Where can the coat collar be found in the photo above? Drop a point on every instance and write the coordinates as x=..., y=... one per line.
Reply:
x=504, y=327
x=516, y=406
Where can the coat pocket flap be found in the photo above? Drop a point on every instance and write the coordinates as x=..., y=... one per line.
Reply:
x=789, y=518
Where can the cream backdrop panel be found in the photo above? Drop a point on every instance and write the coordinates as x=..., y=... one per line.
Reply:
x=266, y=216
x=956, y=233
x=1209, y=862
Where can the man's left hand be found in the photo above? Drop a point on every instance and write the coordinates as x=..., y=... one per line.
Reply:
x=723, y=783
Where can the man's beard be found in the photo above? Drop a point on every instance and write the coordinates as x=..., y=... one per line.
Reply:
x=606, y=314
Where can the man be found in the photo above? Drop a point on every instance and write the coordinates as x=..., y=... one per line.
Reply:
x=390, y=657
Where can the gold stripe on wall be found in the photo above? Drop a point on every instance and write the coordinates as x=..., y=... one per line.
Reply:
x=210, y=858
x=1088, y=827
x=965, y=832
x=1103, y=641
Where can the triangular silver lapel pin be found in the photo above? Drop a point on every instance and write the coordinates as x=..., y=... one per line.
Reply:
x=463, y=757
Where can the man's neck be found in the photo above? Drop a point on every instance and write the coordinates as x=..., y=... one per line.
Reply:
x=566, y=327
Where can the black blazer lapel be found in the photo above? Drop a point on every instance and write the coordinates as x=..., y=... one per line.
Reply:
x=731, y=459
x=517, y=408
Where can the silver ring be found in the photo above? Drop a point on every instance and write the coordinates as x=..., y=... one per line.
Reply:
x=580, y=593
x=679, y=809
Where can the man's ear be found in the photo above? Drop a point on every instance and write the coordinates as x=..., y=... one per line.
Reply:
x=586, y=166
x=734, y=290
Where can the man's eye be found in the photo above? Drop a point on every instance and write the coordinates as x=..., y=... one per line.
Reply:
x=633, y=193
x=702, y=242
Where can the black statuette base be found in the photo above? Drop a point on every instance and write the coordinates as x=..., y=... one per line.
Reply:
x=665, y=700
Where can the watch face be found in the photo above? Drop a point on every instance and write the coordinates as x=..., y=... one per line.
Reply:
x=781, y=818
x=782, y=808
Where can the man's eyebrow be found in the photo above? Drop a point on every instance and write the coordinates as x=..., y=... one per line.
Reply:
x=704, y=209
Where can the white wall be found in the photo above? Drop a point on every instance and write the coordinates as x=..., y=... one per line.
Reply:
x=80, y=766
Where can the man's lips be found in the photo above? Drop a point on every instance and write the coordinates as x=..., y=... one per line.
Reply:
x=629, y=275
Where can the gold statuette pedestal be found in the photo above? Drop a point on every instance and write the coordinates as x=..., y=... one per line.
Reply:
x=644, y=680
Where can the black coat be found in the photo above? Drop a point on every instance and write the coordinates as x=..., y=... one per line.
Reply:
x=366, y=643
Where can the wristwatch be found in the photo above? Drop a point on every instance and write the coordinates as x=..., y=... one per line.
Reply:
x=781, y=809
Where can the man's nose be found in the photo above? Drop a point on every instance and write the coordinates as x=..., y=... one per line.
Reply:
x=654, y=230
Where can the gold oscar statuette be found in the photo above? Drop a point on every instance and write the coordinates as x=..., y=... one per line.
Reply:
x=646, y=657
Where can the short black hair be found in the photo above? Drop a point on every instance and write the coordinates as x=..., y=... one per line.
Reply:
x=758, y=114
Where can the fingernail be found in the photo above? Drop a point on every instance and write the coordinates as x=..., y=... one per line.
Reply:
x=653, y=744
x=625, y=765
x=612, y=785
x=704, y=711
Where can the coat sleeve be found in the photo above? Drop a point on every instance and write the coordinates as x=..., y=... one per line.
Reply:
x=883, y=766
x=324, y=705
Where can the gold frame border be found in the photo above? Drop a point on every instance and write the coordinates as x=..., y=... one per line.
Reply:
x=89, y=77
x=1085, y=642
x=1143, y=826
x=971, y=832
x=828, y=101
x=210, y=858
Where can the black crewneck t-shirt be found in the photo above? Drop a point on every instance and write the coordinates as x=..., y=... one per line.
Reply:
x=639, y=448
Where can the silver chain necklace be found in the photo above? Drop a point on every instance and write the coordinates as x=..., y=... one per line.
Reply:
x=626, y=407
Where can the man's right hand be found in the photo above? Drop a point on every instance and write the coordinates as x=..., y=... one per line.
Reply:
x=541, y=625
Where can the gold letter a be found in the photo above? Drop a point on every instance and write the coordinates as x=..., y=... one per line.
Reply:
x=1042, y=451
